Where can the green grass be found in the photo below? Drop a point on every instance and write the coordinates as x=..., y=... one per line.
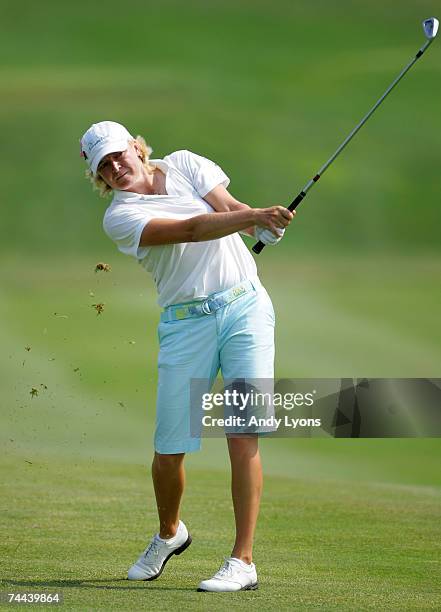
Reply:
x=347, y=524
x=76, y=527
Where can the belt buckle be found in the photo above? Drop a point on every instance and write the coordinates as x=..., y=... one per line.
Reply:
x=206, y=308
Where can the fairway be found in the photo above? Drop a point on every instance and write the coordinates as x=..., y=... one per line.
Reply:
x=76, y=527
x=345, y=524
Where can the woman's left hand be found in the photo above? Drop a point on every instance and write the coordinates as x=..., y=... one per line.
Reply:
x=267, y=236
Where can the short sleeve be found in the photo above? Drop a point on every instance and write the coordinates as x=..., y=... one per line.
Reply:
x=124, y=225
x=203, y=173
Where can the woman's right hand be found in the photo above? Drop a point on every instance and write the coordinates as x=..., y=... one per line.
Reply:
x=273, y=218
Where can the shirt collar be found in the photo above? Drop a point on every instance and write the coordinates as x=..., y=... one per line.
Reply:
x=124, y=196
x=161, y=164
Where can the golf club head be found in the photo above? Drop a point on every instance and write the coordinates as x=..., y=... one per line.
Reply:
x=430, y=27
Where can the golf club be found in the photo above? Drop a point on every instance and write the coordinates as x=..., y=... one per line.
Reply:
x=430, y=27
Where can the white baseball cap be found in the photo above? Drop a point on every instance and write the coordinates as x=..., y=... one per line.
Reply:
x=103, y=138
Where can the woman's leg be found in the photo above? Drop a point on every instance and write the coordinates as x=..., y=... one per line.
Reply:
x=169, y=481
x=246, y=341
x=247, y=357
x=246, y=489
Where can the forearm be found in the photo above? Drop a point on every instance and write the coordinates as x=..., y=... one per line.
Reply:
x=236, y=205
x=222, y=201
x=213, y=226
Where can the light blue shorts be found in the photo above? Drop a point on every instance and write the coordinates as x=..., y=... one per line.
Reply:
x=237, y=339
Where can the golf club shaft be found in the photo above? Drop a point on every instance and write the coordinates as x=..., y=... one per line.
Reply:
x=259, y=246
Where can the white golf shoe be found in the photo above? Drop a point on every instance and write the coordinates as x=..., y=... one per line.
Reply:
x=152, y=561
x=234, y=575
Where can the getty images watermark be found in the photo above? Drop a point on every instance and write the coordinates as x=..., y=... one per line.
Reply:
x=342, y=407
x=251, y=408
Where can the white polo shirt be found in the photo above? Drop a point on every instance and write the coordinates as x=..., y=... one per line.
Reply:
x=187, y=271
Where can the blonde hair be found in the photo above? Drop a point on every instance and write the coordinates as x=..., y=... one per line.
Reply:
x=100, y=184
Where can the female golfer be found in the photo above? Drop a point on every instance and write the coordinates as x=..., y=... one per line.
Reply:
x=176, y=217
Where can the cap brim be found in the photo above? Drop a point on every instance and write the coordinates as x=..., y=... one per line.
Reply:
x=116, y=146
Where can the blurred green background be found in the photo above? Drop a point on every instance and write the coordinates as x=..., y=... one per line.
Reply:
x=268, y=90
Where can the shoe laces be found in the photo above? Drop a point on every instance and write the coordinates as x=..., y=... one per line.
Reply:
x=152, y=548
x=227, y=569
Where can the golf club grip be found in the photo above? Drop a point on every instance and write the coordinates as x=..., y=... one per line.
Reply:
x=259, y=246
x=296, y=201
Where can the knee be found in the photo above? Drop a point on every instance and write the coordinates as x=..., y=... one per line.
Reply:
x=243, y=447
x=168, y=462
